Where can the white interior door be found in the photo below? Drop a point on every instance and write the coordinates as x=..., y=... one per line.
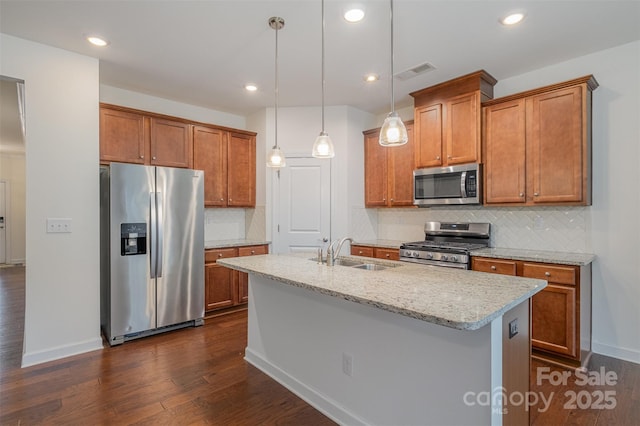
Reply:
x=302, y=205
x=3, y=223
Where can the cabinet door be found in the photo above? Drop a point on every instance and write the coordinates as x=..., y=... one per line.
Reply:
x=365, y=251
x=390, y=254
x=462, y=130
x=210, y=155
x=241, y=160
x=556, y=148
x=428, y=136
x=220, y=287
x=401, y=161
x=375, y=171
x=122, y=136
x=504, y=143
x=171, y=143
x=243, y=277
x=553, y=320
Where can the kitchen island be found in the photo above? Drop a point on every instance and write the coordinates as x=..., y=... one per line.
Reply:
x=409, y=344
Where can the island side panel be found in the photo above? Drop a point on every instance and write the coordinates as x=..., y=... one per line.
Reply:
x=403, y=370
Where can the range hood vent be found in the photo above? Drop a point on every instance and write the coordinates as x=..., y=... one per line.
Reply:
x=417, y=70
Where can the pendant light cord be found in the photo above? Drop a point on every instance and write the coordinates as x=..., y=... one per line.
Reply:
x=277, y=27
x=322, y=66
x=392, y=58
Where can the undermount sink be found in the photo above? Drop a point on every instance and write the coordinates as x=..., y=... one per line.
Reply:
x=357, y=264
x=371, y=267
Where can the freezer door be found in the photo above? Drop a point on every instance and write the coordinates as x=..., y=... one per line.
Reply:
x=132, y=289
x=180, y=264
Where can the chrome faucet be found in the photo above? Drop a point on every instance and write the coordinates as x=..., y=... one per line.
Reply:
x=331, y=254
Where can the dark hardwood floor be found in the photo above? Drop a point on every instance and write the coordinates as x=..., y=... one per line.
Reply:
x=198, y=376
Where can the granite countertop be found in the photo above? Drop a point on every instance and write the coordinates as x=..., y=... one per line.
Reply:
x=391, y=244
x=214, y=244
x=561, y=258
x=461, y=299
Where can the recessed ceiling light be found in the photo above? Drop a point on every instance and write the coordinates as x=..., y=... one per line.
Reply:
x=370, y=78
x=250, y=87
x=97, y=41
x=512, y=19
x=354, y=14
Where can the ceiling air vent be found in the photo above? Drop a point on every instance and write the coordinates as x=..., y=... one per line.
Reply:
x=412, y=72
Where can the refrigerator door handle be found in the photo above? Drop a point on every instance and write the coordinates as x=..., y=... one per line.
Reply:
x=160, y=234
x=153, y=227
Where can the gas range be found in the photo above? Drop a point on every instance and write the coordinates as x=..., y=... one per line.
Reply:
x=447, y=244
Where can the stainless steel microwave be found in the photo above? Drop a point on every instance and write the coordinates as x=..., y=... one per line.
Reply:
x=461, y=184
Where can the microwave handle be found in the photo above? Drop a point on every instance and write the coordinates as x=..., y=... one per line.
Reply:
x=463, y=184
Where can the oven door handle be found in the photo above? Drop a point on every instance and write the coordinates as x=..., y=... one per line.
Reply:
x=463, y=184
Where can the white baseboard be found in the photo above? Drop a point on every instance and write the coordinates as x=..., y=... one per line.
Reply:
x=630, y=355
x=51, y=354
x=318, y=401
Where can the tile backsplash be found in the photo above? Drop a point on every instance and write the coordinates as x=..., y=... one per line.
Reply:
x=540, y=228
x=224, y=224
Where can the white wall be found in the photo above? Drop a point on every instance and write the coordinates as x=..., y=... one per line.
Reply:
x=62, y=276
x=12, y=171
x=609, y=228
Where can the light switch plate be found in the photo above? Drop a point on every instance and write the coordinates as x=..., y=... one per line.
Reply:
x=58, y=225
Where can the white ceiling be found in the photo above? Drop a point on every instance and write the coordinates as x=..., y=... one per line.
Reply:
x=203, y=52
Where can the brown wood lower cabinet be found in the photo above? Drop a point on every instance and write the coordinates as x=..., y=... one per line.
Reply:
x=377, y=252
x=224, y=287
x=560, y=313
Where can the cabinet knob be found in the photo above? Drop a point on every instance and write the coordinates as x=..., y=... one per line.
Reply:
x=253, y=252
x=221, y=199
x=388, y=255
x=154, y=158
x=142, y=156
x=437, y=157
x=521, y=194
x=493, y=267
x=219, y=254
x=535, y=194
x=392, y=200
x=230, y=200
x=547, y=274
x=360, y=252
x=449, y=157
x=384, y=199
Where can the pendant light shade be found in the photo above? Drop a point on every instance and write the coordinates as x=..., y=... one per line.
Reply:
x=393, y=131
x=323, y=147
x=276, y=158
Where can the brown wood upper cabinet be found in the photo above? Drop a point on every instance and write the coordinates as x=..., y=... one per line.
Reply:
x=132, y=136
x=388, y=171
x=229, y=162
x=537, y=146
x=447, y=120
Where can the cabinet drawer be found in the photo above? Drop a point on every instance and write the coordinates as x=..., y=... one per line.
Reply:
x=494, y=266
x=210, y=256
x=362, y=251
x=551, y=273
x=252, y=250
x=387, y=254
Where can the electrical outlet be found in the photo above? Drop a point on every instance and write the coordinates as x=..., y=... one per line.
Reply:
x=347, y=364
x=513, y=328
x=58, y=225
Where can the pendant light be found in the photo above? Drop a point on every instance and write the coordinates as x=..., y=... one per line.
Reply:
x=393, y=131
x=323, y=147
x=276, y=157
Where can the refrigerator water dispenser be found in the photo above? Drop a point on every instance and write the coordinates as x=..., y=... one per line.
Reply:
x=133, y=239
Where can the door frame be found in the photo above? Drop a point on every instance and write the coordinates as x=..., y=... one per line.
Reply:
x=275, y=200
x=7, y=214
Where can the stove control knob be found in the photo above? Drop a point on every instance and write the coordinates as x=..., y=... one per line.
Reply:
x=443, y=257
x=429, y=256
x=453, y=259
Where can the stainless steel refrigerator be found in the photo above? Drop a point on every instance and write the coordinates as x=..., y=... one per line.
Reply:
x=152, y=250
